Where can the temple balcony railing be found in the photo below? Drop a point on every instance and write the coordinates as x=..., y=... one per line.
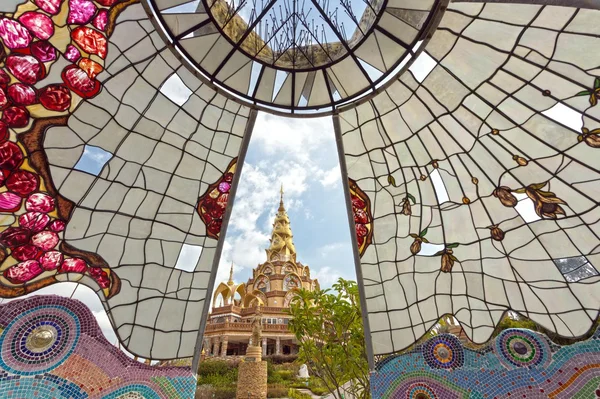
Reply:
x=248, y=311
x=226, y=309
x=264, y=310
x=245, y=327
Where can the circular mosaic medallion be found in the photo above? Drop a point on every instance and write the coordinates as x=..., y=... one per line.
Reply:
x=522, y=348
x=39, y=340
x=444, y=351
x=420, y=391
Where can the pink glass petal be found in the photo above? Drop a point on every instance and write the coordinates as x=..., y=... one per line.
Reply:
x=57, y=225
x=73, y=265
x=34, y=221
x=3, y=99
x=39, y=24
x=9, y=202
x=224, y=187
x=50, y=6
x=23, y=272
x=51, y=260
x=100, y=276
x=45, y=240
x=25, y=68
x=80, y=11
x=43, y=51
x=101, y=20
x=14, y=34
x=40, y=202
x=22, y=94
x=72, y=53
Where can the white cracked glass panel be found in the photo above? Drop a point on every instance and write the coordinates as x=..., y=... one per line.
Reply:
x=159, y=138
x=508, y=120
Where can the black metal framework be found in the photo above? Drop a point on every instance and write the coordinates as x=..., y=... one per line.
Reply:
x=334, y=85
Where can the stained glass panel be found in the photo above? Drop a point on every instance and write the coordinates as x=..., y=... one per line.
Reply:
x=481, y=169
x=108, y=144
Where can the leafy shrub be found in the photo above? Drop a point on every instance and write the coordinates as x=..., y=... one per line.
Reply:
x=294, y=394
x=218, y=373
x=219, y=380
x=317, y=387
x=209, y=392
x=214, y=366
x=276, y=391
x=279, y=359
x=274, y=378
x=286, y=375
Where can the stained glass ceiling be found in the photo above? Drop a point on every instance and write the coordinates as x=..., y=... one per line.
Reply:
x=471, y=155
x=296, y=56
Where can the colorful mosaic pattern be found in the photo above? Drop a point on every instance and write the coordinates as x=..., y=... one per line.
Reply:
x=517, y=363
x=52, y=347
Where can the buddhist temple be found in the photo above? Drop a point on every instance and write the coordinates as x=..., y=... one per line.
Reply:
x=270, y=290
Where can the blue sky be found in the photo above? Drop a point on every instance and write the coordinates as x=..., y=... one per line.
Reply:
x=301, y=154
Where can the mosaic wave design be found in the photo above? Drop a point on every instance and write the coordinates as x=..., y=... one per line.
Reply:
x=52, y=347
x=517, y=363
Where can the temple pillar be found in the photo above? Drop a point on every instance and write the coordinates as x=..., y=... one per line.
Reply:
x=224, y=342
x=264, y=347
x=278, y=346
x=207, y=347
x=215, y=351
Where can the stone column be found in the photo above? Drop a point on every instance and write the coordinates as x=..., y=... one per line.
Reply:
x=278, y=346
x=207, y=347
x=224, y=346
x=264, y=347
x=215, y=351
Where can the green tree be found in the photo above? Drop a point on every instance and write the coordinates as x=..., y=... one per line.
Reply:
x=329, y=327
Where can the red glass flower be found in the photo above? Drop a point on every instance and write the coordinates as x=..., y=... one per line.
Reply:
x=10, y=155
x=55, y=98
x=22, y=182
x=90, y=40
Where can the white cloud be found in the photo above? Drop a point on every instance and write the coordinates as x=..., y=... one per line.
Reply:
x=326, y=276
x=329, y=249
x=294, y=137
x=332, y=177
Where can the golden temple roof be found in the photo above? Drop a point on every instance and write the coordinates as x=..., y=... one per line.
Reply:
x=281, y=237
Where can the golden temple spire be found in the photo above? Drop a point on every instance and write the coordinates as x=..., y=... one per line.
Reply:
x=230, y=282
x=282, y=247
x=281, y=208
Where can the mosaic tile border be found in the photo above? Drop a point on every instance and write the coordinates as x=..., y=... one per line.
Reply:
x=517, y=363
x=52, y=347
